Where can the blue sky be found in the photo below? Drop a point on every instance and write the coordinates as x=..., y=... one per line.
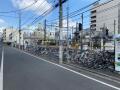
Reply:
x=11, y=19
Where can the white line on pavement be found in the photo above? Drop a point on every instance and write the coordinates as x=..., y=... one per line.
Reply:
x=101, y=74
x=1, y=70
x=106, y=84
x=106, y=77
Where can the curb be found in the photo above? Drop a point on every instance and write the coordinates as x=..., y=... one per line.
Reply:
x=92, y=71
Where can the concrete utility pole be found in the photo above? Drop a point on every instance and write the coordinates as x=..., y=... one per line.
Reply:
x=114, y=33
x=68, y=25
x=81, y=36
x=72, y=33
x=104, y=29
x=68, y=29
x=60, y=32
x=19, y=29
x=90, y=40
x=44, y=31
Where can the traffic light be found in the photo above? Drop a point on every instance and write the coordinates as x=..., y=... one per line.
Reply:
x=107, y=32
x=80, y=27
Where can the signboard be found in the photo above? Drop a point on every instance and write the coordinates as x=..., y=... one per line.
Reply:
x=117, y=53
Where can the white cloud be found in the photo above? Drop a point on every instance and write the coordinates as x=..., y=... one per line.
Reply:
x=1, y=29
x=3, y=24
x=71, y=23
x=39, y=7
x=2, y=21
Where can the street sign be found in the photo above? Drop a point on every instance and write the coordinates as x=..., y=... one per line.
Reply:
x=117, y=53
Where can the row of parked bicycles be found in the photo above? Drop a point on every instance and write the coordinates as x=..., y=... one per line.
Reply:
x=87, y=58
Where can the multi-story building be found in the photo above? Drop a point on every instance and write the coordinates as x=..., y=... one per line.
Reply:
x=106, y=16
x=1, y=36
x=11, y=36
x=93, y=17
x=16, y=37
x=6, y=33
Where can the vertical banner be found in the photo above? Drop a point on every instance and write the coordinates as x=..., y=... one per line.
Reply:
x=117, y=54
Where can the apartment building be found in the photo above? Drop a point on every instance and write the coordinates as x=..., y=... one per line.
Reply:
x=15, y=38
x=93, y=18
x=6, y=33
x=11, y=36
x=106, y=16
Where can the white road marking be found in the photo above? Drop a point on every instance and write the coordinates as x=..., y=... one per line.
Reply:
x=102, y=74
x=1, y=70
x=101, y=82
x=106, y=77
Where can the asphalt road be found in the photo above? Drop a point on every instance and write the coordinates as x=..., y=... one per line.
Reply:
x=24, y=72
x=0, y=52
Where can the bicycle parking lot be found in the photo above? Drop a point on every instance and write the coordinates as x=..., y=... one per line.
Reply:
x=99, y=60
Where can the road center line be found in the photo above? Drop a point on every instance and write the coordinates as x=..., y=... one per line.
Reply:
x=101, y=82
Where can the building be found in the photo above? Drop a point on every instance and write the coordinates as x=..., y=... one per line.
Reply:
x=6, y=33
x=11, y=36
x=106, y=16
x=1, y=36
x=15, y=38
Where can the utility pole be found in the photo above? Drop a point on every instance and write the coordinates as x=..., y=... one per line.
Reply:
x=90, y=40
x=81, y=36
x=103, y=37
x=68, y=29
x=19, y=29
x=114, y=40
x=72, y=33
x=68, y=25
x=60, y=32
x=114, y=34
x=44, y=31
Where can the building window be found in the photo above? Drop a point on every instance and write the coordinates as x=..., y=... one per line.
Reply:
x=93, y=21
x=93, y=11
x=93, y=17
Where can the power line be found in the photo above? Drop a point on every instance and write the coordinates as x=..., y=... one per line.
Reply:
x=39, y=17
x=77, y=12
x=97, y=12
x=47, y=12
x=34, y=15
x=42, y=15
